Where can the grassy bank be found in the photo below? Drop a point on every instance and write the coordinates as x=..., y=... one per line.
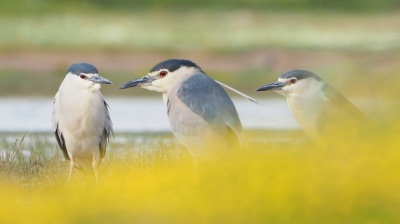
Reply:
x=28, y=157
x=353, y=74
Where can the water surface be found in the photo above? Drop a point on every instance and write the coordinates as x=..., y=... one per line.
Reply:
x=138, y=114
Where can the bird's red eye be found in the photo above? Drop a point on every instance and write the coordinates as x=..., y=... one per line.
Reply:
x=82, y=76
x=293, y=81
x=163, y=73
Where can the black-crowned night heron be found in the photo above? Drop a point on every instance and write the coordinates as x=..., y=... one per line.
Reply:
x=81, y=121
x=315, y=104
x=201, y=114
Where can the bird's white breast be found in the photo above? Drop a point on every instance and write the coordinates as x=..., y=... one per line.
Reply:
x=305, y=102
x=81, y=117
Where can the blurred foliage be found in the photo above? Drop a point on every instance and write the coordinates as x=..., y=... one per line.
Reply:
x=84, y=6
x=280, y=178
x=201, y=31
x=365, y=33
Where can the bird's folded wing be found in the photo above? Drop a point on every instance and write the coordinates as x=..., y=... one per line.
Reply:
x=338, y=109
x=337, y=100
x=107, y=132
x=209, y=100
x=58, y=134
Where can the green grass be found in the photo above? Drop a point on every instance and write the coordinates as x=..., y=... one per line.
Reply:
x=28, y=158
x=46, y=6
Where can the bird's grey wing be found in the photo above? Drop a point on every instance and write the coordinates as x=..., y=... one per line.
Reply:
x=338, y=109
x=55, y=128
x=339, y=101
x=107, y=132
x=209, y=100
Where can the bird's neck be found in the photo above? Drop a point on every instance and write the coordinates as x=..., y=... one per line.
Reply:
x=174, y=88
x=165, y=97
x=305, y=108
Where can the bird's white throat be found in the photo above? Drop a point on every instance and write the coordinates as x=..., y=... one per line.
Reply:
x=94, y=87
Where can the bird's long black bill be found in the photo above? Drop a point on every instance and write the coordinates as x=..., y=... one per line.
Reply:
x=100, y=80
x=272, y=86
x=137, y=82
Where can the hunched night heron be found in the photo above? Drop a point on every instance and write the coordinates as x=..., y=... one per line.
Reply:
x=315, y=104
x=81, y=121
x=202, y=116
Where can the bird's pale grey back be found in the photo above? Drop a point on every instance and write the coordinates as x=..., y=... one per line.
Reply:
x=209, y=100
x=336, y=104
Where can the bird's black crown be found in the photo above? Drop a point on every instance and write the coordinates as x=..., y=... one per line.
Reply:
x=173, y=64
x=299, y=75
x=82, y=68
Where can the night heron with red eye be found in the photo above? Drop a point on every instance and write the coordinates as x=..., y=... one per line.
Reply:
x=81, y=121
x=201, y=114
x=316, y=106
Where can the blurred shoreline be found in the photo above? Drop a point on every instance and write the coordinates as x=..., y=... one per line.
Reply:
x=22, y=73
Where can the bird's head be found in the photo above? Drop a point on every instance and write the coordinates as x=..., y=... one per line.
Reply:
x=86, y=75
x=294, y=82
x=162, y=76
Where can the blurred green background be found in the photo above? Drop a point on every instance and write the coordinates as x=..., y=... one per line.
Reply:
x=50, y=6
x=354, y=45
